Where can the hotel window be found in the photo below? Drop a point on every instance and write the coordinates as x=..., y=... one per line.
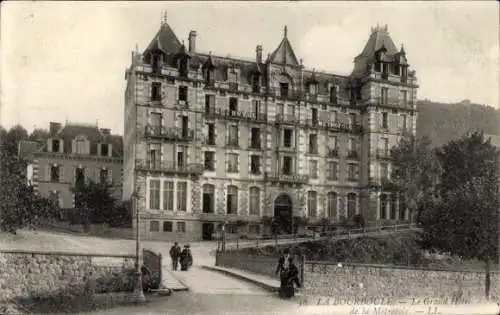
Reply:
x=384, y=95
x=154, y=226
x=168, y=195
x=280, y=110
x=352, y=120
x=104, y=149
x=80, y=145
x=384, y=171
x=312, y=204
x=232, y=163
x=181, y=163
x=232, y=200
x=233, y=136
x=351, y=204
x=256, y=83
x=233, y=105
x=313, y=144
x=313, y=168
x=255, y=164
x=332, y=205
x=181, y=227
x=80, y=175
x=333, y=95
x=404, y=97
x=211, y=134
x=333, y=116
x=154, y=194
x=284, y=89
x=255, y=138
x=403, y=122
x=385, y=120
x=56, y=145
x=287, y=138
x=208, y=198
x=168, y=226
x=103, y=176
x=209, y=104
x=156, y=91
x=209, y=161
x=55, y=173
x=291, y=111
x=332, y=170
x=183, y=93
x=287, y=166
x=314, y=116
x=352, y=172
x=385, y=146
x=333, y=142
x=256, y=108
x=254, y=201
x=181, y=196
x=313, y=88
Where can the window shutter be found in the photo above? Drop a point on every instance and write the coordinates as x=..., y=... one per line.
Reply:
x=61, y=146
x=49, y=145
x=227, y=162
x=73, y=175
x=356, y=170
x=47, y=173
x=61, y=174
x=110, y=176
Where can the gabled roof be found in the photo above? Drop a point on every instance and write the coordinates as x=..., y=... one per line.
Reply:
x=284, y=53
x=165, y=40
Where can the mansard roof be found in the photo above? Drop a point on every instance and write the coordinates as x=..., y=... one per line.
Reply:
x=284, y=53
x=92, y=133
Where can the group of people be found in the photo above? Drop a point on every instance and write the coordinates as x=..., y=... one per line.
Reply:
x=182, y=256
x=289, y=274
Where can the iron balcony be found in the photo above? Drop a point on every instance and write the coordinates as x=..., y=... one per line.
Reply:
x=169, y=167
x=226, y=114
x=171, y=133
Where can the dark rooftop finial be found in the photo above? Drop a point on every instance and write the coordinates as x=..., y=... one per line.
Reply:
x=285, y=31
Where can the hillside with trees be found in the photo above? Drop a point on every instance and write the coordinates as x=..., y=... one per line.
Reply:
x=442, y=122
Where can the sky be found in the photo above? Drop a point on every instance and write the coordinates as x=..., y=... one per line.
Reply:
x=66, y=61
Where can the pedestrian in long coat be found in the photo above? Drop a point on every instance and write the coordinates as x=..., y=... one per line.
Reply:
x=175, y=253
x=186, y=258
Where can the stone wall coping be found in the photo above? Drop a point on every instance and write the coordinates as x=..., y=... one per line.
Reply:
x=60, y=253
x=317, y=262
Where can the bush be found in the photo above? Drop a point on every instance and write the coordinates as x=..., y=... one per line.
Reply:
x=359, y=221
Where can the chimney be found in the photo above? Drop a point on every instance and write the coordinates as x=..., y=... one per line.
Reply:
x=105, y=131
x=258, y=51
x=55, y=127
x=192, y=41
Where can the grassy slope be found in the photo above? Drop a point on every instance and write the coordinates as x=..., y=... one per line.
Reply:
x=402, y=250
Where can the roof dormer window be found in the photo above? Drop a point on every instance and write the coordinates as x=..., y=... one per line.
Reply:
x=104, y=149
x=256, y=83
x=157, y=62
x=183, y=67
x=313, y=88
x=80, y=145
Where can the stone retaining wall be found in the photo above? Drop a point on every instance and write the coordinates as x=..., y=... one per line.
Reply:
x=28, y=275
x=353, y=281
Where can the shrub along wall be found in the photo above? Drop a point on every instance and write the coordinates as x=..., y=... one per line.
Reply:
x=32, y=275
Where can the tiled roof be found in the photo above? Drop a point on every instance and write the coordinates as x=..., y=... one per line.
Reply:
x=284, y=53
x=165, y=40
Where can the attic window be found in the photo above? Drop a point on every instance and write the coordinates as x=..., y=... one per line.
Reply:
x=156, y=62
x=313, y=88
x=256, y=83
x=333, y=94
x=183, y=67
x=209, y=75
x=104, y=149
x=56, y=146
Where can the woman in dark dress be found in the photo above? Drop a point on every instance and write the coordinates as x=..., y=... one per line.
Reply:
x=186, y=258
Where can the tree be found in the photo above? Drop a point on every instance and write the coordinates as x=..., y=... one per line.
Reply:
x=415, y=171
x=39, y=134
x=94, y=202
x=464, y=220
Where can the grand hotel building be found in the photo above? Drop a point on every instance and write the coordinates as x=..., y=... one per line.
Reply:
x=211, y=139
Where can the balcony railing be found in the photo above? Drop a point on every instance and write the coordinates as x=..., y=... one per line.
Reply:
x=383, y=183
x=170, y=167
x=255, y=145
x=286, y=178
x=209, y=141
x=285, y=94
x=390, y=102
x=171, y=133
x=287, y=119
x=233, y=143
x=383, y=154
x=220, y=113
x=332, y=152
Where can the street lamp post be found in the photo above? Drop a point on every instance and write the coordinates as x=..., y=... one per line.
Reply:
x=138, y=290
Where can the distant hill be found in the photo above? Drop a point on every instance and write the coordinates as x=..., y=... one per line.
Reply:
x=444, y=122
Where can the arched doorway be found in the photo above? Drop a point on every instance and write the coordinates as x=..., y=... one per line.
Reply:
x=283, y=214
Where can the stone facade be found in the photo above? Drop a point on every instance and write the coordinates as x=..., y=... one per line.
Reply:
x=350, y=281
x=27, y=275
x=271, y=126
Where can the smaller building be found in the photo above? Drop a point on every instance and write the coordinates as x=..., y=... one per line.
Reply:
x=71, y=153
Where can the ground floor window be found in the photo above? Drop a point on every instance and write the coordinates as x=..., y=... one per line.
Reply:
x=154, y=226
x=168, y=226
x=181, y=227
x=254, y=228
